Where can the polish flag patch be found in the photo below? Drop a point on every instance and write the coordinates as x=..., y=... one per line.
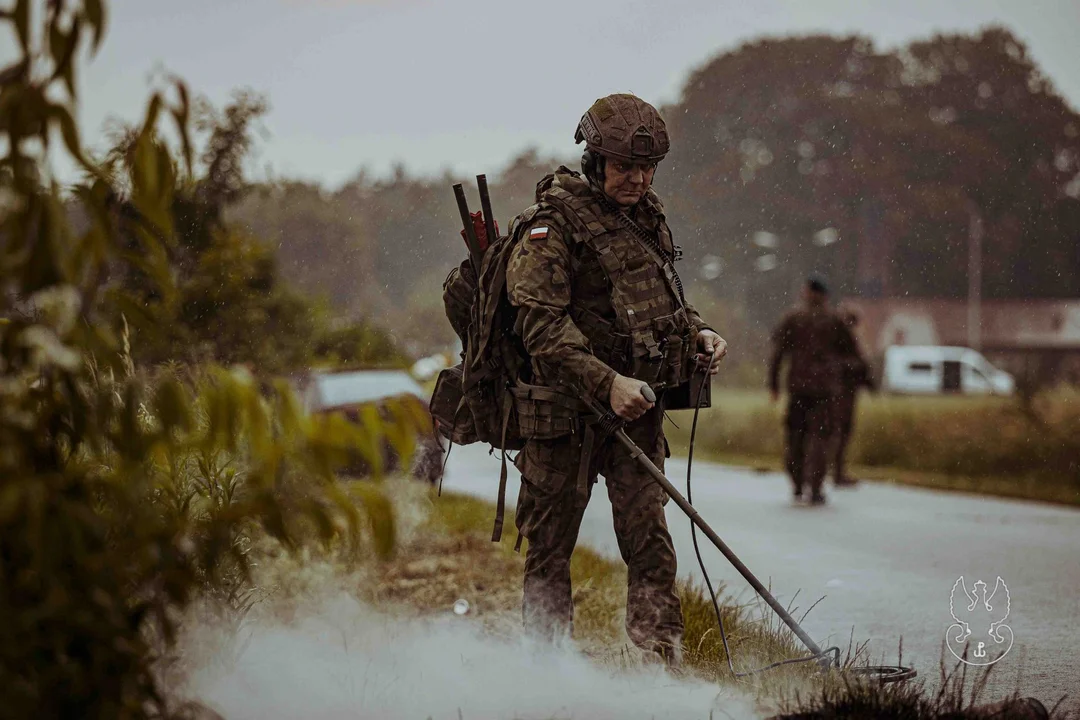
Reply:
x=538, y=233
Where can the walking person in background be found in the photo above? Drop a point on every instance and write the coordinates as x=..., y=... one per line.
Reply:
x=815, y=339
x=854, y=375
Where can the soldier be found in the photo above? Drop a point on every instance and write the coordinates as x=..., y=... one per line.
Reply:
x=601, y=310
x=816, y=339
x=854, y=374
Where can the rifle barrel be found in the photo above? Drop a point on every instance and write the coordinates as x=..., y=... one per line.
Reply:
x=485, y=206
x=475, y=253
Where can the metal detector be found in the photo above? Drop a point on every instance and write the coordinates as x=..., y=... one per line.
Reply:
x=610, y=423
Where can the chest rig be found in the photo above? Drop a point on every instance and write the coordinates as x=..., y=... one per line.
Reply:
x=626, y=297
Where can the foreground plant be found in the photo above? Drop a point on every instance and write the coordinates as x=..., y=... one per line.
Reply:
x=123, y=493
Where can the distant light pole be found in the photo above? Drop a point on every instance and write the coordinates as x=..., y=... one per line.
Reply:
x=974, y=304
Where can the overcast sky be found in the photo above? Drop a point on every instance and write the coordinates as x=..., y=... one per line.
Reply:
x=466, y=84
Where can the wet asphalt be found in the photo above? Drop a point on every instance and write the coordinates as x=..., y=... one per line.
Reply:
x=879, y=560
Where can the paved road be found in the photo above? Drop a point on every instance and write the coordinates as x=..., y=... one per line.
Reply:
x=884, y=557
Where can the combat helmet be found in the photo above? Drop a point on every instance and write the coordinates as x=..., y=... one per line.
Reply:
x=624, y=127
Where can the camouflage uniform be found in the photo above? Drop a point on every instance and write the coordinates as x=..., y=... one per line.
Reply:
x=593, y=301
x=854, y=374
x=816, y=340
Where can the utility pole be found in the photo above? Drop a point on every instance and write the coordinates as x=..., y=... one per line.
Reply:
x=974, y=303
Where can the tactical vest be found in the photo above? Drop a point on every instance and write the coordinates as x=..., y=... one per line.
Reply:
x=641, y=331
x=648, y=334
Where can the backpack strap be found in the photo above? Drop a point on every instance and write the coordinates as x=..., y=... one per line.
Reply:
x=491, y=287
x=500, y=507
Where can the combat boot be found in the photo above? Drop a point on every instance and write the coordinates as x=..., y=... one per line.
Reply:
x=671, y=656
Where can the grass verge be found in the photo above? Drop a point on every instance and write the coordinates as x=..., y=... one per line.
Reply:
x=978, y=445
x=450, y=557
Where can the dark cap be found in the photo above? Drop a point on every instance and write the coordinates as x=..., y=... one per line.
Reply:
x=817, y=284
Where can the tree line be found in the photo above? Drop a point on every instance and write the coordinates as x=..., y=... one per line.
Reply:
x=788, y=156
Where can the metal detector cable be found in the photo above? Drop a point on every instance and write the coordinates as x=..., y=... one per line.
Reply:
x=701, y=563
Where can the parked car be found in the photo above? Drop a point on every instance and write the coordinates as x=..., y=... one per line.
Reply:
x=346, y=392
x=939, y=369
x=428, y=367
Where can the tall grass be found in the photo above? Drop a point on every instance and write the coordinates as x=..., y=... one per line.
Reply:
x=755, y=637
x=1033, y=447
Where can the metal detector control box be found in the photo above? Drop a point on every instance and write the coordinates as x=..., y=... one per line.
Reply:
x=687, y=395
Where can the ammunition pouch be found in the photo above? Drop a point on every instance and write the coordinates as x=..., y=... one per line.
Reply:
x=459, y=292
x=663, y=352
x=544, y=413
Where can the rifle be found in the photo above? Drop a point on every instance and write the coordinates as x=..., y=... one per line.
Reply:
x=490, y=227
x=477, y=246
x=476, y=253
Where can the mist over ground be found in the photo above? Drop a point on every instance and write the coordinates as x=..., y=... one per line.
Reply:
x=338, y=658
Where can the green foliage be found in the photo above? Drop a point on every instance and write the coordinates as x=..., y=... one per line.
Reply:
x=228, y=303
x=321, y=242
x=380, y=247
x=126, y=492
x=230, y=310
x=360, y=345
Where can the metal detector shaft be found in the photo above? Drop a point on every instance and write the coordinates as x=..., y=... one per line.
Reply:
x=695, y=518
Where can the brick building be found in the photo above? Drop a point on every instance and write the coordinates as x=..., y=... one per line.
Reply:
x=1023, y=336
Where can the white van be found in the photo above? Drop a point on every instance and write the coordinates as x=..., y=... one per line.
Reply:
x=938, y=369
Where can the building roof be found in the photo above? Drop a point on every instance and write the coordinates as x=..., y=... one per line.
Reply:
x=1006, y=324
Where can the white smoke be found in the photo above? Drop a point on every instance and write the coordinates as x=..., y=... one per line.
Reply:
x=339, y=658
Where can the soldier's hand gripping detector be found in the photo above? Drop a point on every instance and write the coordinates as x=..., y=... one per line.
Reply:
x=613, y=425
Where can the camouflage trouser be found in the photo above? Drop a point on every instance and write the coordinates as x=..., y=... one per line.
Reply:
x=549, y=511
x=809, y=426
x=842, y=410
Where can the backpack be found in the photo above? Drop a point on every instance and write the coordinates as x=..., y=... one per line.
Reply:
x=475, y=401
